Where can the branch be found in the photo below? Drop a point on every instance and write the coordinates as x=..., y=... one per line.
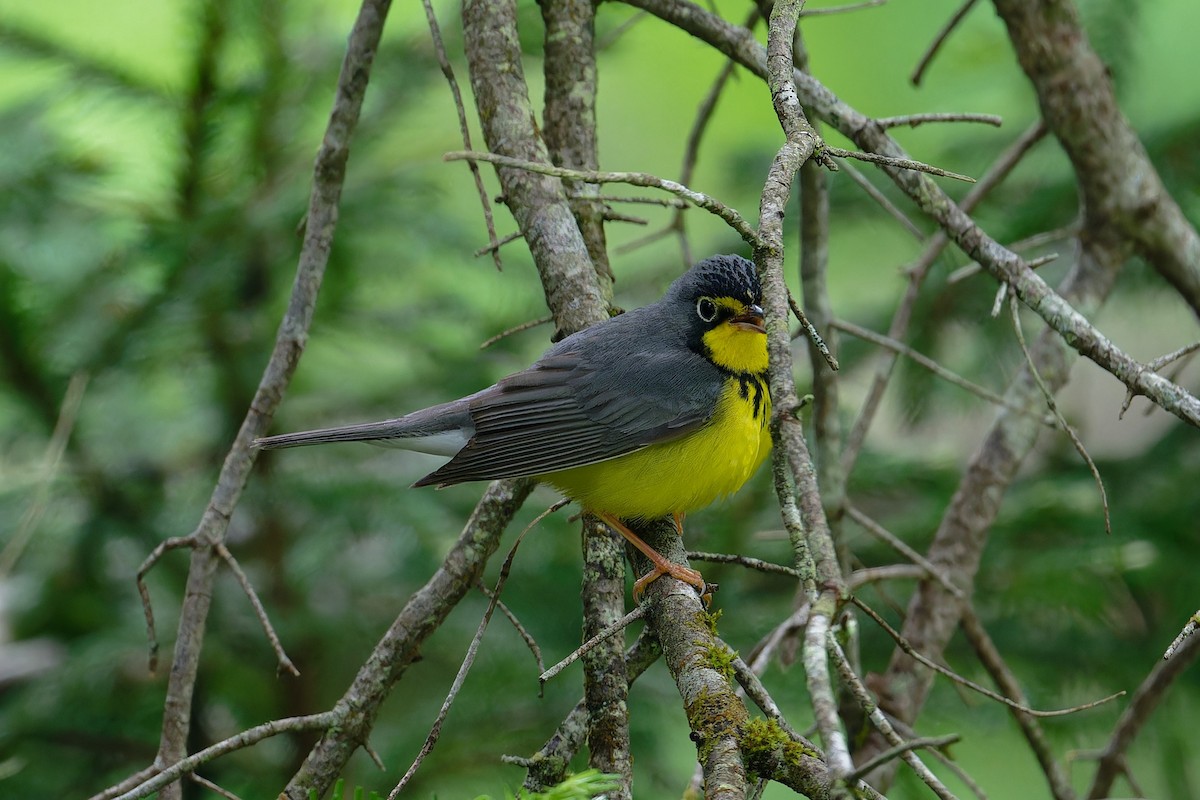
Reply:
x=241, y=741
x=439, y=48
x=328, y=176
x=422, y=615
x=1002, y=264
x=730, y=215
x=1141, y=705
x=989, y=656
x=683, y=629
x=548, y=766
x=1119, y=184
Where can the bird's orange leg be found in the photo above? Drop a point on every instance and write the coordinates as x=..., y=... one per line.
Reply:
x=678, y=517
x=661, y=565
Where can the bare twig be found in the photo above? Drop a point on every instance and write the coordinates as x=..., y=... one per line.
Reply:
x=524, y=326
x=312, y=722
x=212, y=787
x=1019, y=246
x=939, y=40
x=900, y=163
x=954, y=676
x=899, y=545
x=730, y=215
x=744, y=561
x=931, y=365
x=881, y=723
x=46, y=473
x=620, y=625
x=922, y=742
x=1062, y=422
x=435, y=730
x=174, y=543
x=915, y=120
x=521, y=630
x=283, y=662
x=917, y=272
x=439, y=47
x=882, y=200
x=1188, y=631
x=1156, y=365
x=549, y=765
x=814, y=336
x=496, y=244
x=890, y=572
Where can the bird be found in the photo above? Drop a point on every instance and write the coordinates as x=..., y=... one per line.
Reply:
x=650, y=414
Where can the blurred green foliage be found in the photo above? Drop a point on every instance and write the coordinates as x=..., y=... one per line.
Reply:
x=154, y=170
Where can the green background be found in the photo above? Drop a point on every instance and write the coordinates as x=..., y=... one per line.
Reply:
x=147, y=241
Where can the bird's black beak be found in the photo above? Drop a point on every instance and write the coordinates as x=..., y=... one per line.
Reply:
x=750, y=320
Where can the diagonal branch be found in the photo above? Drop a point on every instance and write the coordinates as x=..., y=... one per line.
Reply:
x=1000, y=262
x=328, y=176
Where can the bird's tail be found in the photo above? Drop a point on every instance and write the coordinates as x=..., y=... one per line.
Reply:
x=440, y=430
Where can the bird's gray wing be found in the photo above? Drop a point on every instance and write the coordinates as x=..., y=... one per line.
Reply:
x=579, y=406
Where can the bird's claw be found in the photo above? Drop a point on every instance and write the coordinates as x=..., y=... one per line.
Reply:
x=679, y=573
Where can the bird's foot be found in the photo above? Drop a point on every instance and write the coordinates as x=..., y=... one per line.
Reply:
x=676, y=571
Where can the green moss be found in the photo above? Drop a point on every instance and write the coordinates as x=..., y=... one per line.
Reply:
x=719, y=659
x=712, y=715
x=761, y=739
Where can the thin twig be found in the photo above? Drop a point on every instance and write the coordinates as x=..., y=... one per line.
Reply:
x=915, y=120
x=468, y=661
x=611, y=38
x=312, y=722
x=1188, y=631
x=813, y=335
x=618, y=626
x=901, y=163
x=784, y=631
x=1062, y=421
x=439, y=48
x=525, y=635
x=1028, y=243
x=921, y=742
x=730, y=215
x=668, y=202
x=174, y=543
x=844, y=9
x=524, y=326
x=212, y=787
x=284, y=663
x=934, y=367
x=917, y=272
x=882, y=200
x=939, y=40
x=744, y=561
x=1162, y=361
x=880, y=721
x=954, y=676
x=498, y=243
x=899, y=545
x=46, y=473
x=890, y=572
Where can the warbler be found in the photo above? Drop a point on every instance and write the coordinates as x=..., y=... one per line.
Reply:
x=650, y=414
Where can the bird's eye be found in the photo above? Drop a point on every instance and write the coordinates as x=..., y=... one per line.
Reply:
x=706, y=309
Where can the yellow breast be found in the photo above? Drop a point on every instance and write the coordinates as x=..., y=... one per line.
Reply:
x=685, y=474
